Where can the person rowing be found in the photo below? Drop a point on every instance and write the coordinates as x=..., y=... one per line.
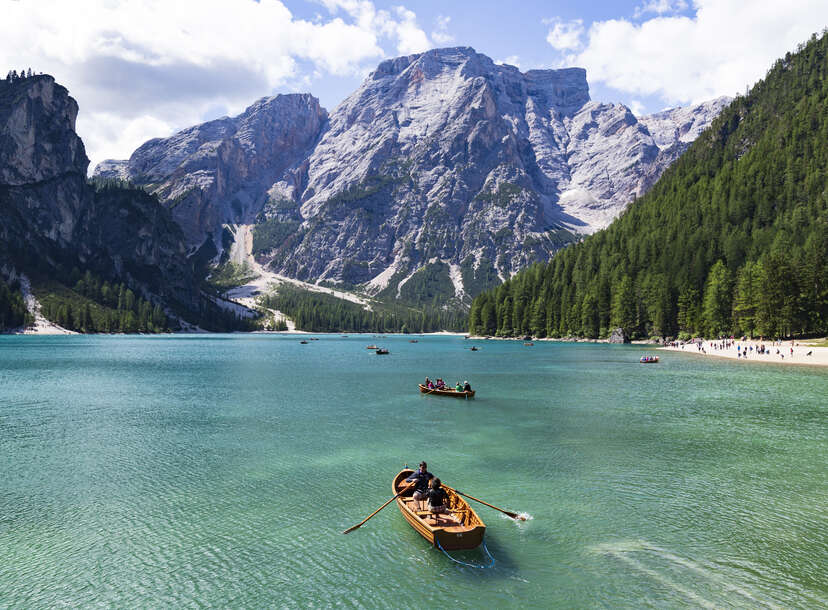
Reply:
x=421, y=478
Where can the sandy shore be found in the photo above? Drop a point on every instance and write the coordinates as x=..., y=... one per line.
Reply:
x=818, y=355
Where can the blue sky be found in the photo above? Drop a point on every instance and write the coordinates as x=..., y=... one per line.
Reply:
x=507, y=30
x=146, y=68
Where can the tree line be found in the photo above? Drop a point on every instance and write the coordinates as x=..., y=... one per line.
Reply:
x=316, y=312
x=96, y=306
x=732, y=240
x=13, y=312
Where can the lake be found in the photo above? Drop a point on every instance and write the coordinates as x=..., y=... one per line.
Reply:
x=220, y=470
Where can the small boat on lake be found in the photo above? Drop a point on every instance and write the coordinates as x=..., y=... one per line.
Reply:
x=529, y=344
x=458, y=529
x=473, y=348
x=648, y=360
x=446, y=392
x=303, y=342
x=382, y=352
x=413, y=341
x=371, y=347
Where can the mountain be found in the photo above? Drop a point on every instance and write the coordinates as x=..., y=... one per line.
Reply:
x=55, y=225
x=444, y=171
x=221, y=171
x=732, y=239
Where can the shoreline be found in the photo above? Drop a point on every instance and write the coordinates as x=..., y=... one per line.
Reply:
x=818, y=357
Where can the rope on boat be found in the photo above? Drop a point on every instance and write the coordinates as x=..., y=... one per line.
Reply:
x=463, y=563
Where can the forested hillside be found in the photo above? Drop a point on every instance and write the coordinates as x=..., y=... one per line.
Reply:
x=733, y=239
x=316, y=312
x=13, y=313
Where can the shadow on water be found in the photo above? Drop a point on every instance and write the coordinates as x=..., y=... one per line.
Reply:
x=503, y=568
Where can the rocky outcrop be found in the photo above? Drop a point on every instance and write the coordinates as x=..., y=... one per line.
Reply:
x=225, y=171
x=444, y=171
x=53, y=220
x=619, y=336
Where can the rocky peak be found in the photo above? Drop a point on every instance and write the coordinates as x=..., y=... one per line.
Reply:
x=51, y=219
x=223, y=171
x=37, y=131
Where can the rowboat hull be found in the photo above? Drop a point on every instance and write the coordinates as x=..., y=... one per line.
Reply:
x=465, y=531
x=452, y=393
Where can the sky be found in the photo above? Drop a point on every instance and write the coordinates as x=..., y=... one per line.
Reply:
x=146, y=68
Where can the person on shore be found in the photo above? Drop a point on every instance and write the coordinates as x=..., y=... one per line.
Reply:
x=437, y=498
x=421, y=478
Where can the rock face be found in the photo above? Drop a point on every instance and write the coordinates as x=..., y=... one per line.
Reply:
x=222, y=171
x=52, y=219
x=442, y=170
x=619, y=336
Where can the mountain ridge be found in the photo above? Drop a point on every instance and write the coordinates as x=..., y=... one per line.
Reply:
x=441, y=163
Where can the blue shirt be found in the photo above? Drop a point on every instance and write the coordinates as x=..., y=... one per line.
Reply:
x=421, y=478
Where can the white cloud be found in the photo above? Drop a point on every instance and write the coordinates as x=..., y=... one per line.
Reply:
x=400, y=25
x=660, y=7
x=440, y=34
x=512, y=60
x=637, y=107
x=141, y=68
x=718, y=51
x=565, y=35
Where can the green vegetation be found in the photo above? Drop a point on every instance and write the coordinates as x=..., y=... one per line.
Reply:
x=96, y=306
x=13, y=312
x=733, y=239
x=503, y=196
x=431, y=285
x=484, y=277
x=318, y=312
x=229, y=275
x=270, y=234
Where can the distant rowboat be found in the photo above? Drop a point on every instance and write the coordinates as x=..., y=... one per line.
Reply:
x=649, y=360
x=371, y=347
x=446, y=392
x=382, y=352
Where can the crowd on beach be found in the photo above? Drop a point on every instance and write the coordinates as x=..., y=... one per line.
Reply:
x=744, y=348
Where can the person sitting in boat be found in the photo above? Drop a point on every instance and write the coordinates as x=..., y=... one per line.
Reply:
x=466, y=386
x=458, y=387
x=437, y=498
x=440, y=384
x=420, y=478
x=428, y=383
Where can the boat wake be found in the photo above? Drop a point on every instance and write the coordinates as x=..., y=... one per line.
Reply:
x=663, y=566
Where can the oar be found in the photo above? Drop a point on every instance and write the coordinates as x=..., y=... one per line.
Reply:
x=360, y=524
x=505, y=512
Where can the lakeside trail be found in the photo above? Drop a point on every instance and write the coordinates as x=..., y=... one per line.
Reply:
x=818, y=355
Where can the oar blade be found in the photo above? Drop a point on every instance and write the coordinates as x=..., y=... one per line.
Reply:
x=351, y=529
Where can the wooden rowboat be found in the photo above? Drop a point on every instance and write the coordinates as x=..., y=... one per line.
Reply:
x=446, y=392
x=371, y=347
x=382, y=352
x=652, y=360
x=460, y=529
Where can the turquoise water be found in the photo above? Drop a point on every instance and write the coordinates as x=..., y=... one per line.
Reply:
x=220, y=470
